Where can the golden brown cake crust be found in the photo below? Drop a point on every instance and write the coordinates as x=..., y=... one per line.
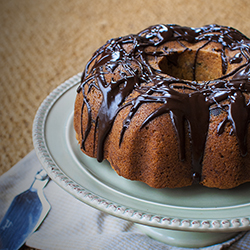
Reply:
x=169, y=106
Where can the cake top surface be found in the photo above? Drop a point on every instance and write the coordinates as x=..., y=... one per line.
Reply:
x=193, y=100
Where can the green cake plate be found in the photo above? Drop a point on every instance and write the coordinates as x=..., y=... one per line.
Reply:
x=195, y=216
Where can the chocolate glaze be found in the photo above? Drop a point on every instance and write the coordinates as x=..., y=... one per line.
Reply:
x=193, y=106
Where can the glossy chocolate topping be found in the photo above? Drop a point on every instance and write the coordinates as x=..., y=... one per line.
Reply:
x=193, y=105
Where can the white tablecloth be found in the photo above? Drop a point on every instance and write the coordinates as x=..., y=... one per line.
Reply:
x=71, y=224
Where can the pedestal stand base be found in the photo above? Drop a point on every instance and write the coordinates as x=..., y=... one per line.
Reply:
x=184, y=238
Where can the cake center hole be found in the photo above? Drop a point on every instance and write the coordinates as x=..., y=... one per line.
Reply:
x=204, y=66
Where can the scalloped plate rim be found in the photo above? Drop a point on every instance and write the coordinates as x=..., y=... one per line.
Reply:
x=232, y=224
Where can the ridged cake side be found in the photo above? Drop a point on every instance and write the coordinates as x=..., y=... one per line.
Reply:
x=169, y=106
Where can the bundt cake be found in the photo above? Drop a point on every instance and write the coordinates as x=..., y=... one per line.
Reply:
x=169, y=106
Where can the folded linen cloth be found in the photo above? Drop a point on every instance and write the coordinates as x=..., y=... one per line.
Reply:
x=72, y=224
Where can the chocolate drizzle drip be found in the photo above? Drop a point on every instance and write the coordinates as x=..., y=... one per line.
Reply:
x=193, y=106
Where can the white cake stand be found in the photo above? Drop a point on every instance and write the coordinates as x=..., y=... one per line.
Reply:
x=189, y=217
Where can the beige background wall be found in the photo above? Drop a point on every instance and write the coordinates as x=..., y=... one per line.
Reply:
x=45, y=42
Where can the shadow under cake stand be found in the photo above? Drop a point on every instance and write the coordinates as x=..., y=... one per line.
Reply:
x=195, y=216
